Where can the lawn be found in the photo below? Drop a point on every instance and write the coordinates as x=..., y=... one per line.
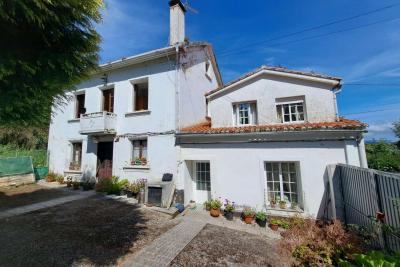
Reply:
x=12, y=197
x=219, y=246
x=89, y=232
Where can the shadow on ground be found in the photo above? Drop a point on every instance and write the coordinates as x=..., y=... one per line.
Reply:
x=26, y=195
x=88, y=232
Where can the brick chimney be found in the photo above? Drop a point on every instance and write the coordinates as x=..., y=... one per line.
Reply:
x=177, y=22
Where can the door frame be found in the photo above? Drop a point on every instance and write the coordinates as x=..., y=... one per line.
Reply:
x=194, y=181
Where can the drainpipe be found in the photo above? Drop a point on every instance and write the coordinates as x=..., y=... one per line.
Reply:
x=336, y=91
x=361, y=152
x=177, y=93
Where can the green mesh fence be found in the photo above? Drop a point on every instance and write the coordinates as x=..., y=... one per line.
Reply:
x=15, y=166
x=40, y=172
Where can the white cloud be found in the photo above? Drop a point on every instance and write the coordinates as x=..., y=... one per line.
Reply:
x=383, y=130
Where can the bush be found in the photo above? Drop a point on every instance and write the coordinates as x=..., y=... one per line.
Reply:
x=51, y=177
x=111, y=185
x=60, y=178
x=312, y=245
x=373, y=258
x=383, y=156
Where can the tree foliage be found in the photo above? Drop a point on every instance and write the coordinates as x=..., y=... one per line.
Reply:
x=396, y=128
x=46, y=47
x=383, y=156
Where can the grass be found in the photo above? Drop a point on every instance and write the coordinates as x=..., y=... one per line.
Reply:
x=39, y=156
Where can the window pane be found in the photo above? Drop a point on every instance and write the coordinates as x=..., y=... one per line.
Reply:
x=286, y=187
x=300, y=108
x=203, y=176
x=285, y=176
x=294, y=117
x=286, y=118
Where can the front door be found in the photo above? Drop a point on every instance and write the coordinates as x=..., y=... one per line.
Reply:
x=201, y=181
x=104, y=159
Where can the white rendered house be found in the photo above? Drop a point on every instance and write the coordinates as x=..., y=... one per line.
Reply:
x=269, y=134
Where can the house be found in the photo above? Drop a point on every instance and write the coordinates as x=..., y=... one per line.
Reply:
x=267, y=136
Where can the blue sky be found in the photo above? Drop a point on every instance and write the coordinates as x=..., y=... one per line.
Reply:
x=240, y=32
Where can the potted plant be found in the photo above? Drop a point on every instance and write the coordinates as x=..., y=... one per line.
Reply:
x=143, y=161
x=229, y=209
x=207, y=205
x=69, y=181
x=282, y=204
x=76, y=185
x=248, y=215
x=274, y=224
x=215, y=205
x=272, y=203
x=261, y=218
x=293, y=205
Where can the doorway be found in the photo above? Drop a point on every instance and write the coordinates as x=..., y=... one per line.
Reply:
x=201, y=181
x=104, y=159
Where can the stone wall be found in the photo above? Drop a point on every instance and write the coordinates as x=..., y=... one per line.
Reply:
x=17, y=179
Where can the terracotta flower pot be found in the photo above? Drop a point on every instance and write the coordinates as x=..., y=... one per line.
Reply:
x=215, y=212
x=248, y=219
x=282, y=205
x=274, y=227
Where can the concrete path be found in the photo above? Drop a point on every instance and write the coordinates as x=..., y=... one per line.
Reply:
x=163, y=250
x=45, y=204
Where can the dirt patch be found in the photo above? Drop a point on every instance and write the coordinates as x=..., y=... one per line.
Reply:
x=219, y=246
x=88, y=232
x=12, y=197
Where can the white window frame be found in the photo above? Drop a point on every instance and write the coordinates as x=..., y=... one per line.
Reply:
x=281, y=182
x=133, y=148
x=196, y=171
x=281, y=104
x=72, y=160
x=252, y=113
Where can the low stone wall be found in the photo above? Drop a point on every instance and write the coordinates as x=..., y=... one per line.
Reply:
x=17, y=179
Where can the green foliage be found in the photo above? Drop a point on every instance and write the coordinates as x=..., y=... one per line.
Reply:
x=261, y=216
x=383, y=156
x=281, y=223
x=248, y=212
x=112, y=185
x=215, y=204
x=135, y=186
x=372, y=259
x=39, y=157
x=47, y=47
x=24, y=138
x=396, y=128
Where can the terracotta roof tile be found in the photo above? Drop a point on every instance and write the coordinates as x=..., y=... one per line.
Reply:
x=341, y=124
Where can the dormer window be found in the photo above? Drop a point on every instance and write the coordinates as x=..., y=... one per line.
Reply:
x=245, y=113
x=290, y=111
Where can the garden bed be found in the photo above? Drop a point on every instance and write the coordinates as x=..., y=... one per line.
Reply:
x=88, y=232
x=12, y=197
x=219, y=246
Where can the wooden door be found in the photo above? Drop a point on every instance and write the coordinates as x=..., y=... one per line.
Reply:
x=104, y=159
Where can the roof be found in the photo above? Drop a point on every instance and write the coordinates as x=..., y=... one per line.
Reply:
x=159, y=53
x=278, y=70
x=340, y=124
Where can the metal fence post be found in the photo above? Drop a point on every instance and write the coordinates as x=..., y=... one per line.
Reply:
x=342, y=191
x=379, y=202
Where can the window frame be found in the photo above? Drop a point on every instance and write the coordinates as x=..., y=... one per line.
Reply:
x=252, y=113
x=140, y=160
x=281, y=104
x=103, y=98
x=207, y=182
x=77, y=112
x=281, y=181
x=73, y=152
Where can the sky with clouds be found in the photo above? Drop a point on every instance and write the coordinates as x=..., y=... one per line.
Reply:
x=363, y=50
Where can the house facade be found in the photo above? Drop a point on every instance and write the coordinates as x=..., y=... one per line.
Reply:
x=266, y=136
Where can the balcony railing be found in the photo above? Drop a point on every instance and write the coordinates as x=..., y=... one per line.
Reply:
x=98, y=123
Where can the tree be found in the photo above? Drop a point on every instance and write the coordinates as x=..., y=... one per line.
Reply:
x=46, y=48
x=396, y=128
x=383, y=156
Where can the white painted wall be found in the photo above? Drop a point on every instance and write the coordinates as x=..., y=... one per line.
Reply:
x=319, y=100
x=237, y=170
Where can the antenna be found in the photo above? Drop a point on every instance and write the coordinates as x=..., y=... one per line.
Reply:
x=188, y=7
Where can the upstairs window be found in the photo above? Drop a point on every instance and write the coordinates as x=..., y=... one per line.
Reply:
x=139, y=152
x=108, y=100
x=245, y=113
x=80, y=105
x=76, y=161
x=290, y=112
x=141, y=98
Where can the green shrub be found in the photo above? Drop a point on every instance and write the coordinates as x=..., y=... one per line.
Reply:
x=383, y=156
x=111, y=185
x=215, y=204
x=372, y=259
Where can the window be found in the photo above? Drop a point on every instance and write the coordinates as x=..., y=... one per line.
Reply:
x=245, y=114
x=79, y=105
x=290, y=112
x=76, y=161
x=139, y=152
x=202, y=174
x=141, y=96
x=108, y=100
x=282, y=181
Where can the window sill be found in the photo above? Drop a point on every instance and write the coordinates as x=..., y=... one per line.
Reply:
x=137, y=113
x=72, y=171
x=290, y=210
x=137, y=167
x=74, y=120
